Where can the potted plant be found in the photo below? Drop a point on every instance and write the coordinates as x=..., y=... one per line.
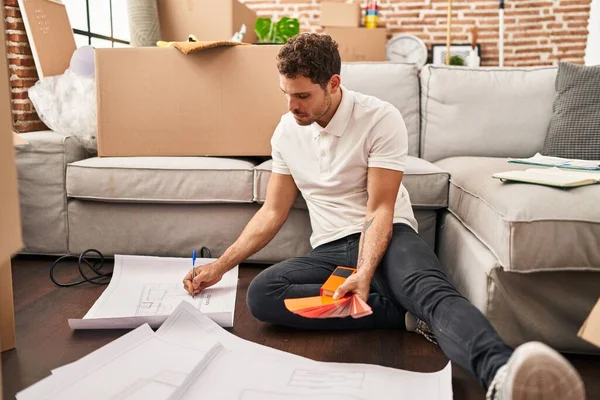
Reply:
x=457, y=60
x=279, y=32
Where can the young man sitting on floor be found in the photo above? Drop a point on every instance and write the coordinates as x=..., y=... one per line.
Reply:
x=345, y=152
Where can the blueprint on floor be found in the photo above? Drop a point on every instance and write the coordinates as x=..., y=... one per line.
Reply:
x=148, y=289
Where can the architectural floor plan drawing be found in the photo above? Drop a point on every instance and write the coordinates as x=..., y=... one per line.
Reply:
x=191, y=357
x=160, y=386
x=131, y=367
x=148, y=289
x=267, y=378
x=161, y=298
x=330, y=379
x=264, y=395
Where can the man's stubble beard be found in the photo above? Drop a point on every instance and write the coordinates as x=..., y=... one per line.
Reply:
x=326, y=106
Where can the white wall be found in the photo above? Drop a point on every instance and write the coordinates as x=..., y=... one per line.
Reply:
x=592, y=52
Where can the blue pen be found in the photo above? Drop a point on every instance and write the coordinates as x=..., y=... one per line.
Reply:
x=193, y=272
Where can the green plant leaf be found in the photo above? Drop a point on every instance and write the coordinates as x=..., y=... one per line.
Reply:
x=457, y=60
x=263, y=28
x=287, y=28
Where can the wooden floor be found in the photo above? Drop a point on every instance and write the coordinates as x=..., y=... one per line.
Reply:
x=45, y=341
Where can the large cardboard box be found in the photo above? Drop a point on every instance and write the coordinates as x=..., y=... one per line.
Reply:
x=10, y=221
x=209, y=20
x=341, y=14
x=590, y=330
x=224, y=101
x=360, y=44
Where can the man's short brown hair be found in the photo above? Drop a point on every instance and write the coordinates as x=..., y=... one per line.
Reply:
x=311, y=55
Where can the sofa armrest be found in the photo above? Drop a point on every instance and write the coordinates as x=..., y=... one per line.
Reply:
x=41, y=172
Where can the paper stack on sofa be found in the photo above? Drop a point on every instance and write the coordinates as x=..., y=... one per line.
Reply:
x=559, y=172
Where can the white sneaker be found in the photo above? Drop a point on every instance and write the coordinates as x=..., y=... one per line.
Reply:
x=535, y=372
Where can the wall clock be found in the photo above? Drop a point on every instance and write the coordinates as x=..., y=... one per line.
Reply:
x=407, y=48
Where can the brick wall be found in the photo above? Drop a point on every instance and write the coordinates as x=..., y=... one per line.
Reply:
x=22, y=70
x=537, y=32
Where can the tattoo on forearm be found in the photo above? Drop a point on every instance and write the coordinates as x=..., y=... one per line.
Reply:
x=368, y=224
x=379, y=248
x=362, y=242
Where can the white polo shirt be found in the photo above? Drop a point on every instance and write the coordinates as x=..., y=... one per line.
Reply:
x=329, y=165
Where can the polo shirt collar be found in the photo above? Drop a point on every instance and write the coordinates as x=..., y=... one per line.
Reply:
x=341, y=118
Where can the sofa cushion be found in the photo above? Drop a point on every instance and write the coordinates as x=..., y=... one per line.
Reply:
x=161, y=179
x=574, y=130
x=396, y=83
x=41, y=173
x=426, y=183
x=527, y=227
x=487, y=112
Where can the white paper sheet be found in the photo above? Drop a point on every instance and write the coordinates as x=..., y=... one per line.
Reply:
x=148, y=289
x=226, y=374
x=130, y=367
x=125, y=368
x=191, y=356
x=188, y=326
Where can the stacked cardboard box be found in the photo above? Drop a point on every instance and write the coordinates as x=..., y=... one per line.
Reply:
x=342, y=21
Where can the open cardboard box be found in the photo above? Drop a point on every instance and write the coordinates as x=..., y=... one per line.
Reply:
x=360, y=44
x=223, y=101
x=209, y=20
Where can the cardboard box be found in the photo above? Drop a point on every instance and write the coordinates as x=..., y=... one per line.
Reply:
x=7, y=309
x=340, y=14
x=50, y=35
x=10, y=220
x=590, y=330
x=209, y=20
x=360, y=44
x=152, y=101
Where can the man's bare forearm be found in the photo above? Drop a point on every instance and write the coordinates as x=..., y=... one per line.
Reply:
x=261, y=229
x=374, y=241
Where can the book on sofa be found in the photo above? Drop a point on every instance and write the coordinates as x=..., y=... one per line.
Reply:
x=148, y=289
x=551, y=177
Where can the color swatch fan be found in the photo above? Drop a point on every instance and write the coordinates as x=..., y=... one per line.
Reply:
x=325, y=306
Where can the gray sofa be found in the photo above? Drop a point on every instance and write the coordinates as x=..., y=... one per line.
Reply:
x=527, y=256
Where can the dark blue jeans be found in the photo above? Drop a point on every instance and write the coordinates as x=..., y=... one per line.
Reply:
x=409, y=278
